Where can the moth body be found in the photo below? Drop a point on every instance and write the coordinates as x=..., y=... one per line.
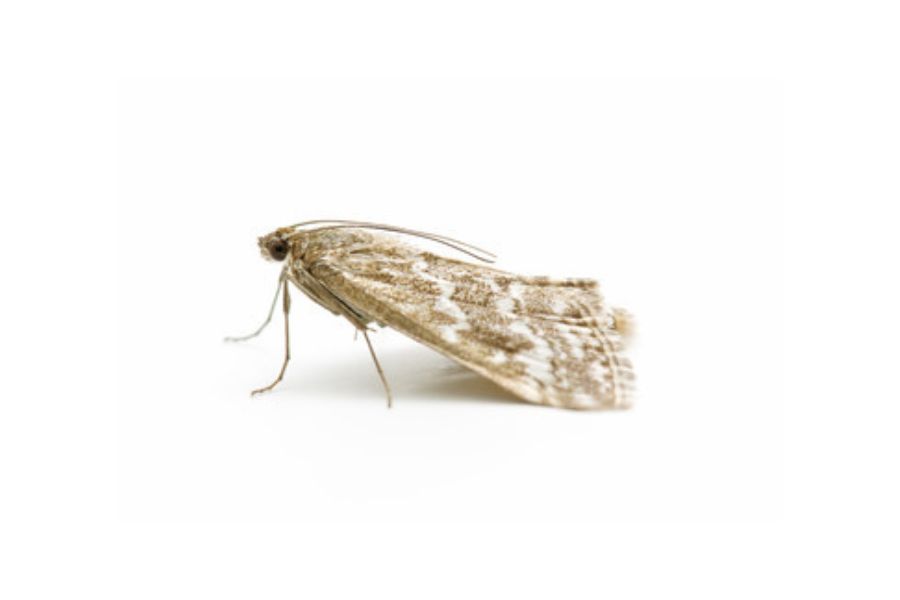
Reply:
x=548, y=341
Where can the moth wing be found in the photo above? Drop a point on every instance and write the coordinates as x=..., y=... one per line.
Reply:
x=548, y=341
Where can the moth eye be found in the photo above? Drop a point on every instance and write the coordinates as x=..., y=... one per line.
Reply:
x=278, y=250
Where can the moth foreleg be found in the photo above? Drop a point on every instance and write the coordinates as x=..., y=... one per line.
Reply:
x=286, y=307
x=387, y=388
x=243, y=338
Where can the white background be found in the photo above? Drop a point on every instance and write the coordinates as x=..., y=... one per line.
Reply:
x=715, y=168
x=625, y=180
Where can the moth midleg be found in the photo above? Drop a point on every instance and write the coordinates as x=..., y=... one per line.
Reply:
x=286, y=306
x=387, y=388
x=244, y=338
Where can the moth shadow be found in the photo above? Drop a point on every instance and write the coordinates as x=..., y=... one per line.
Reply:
x=414, y=373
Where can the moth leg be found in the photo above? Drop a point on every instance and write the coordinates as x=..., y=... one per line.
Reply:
x=243, y=338
x=387, y=388
x=286, y=306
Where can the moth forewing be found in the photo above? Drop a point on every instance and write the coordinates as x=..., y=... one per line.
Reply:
x=548, y=341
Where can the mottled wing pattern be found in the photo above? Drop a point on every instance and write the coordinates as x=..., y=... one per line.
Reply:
x=549, y=341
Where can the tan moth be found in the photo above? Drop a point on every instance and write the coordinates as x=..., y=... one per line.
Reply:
x=548, y=341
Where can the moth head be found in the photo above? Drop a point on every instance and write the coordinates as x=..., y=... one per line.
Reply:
x=275, y=246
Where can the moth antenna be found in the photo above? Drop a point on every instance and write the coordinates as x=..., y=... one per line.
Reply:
x=370, y=225
x=460, y=246
x=464, y=247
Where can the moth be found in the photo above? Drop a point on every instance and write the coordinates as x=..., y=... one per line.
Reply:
x=547, y=341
